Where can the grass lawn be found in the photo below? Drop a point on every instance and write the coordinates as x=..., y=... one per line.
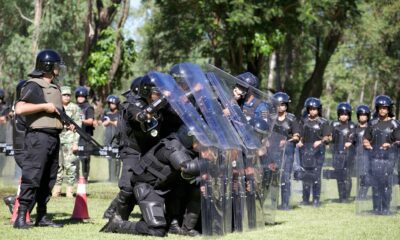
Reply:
x=330, y=221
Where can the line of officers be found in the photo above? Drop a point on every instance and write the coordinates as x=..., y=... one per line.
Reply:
x=157, y=150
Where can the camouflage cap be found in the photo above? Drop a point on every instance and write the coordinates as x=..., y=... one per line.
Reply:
x=65, y=90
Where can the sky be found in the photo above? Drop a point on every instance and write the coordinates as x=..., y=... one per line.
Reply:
x=132, y=24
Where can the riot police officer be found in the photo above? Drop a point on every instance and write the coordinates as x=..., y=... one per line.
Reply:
x=19, y=129
x=379, y=138
x=39, y=101
x=81, y=95
x=109, y=121
x=315, y=133
x=251, y=105
x=343, y=131
x=363, y=116
x=139, y=131
x=287, y=126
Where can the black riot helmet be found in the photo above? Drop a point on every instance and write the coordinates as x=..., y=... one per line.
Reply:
x=18, y=89
x=363, y=110
x=147, y=87
x=259, y=125
x=47, y=60
x=81, y=91
x=113, y=99
x=282, y=97
x=384, y=101
x=249, y=78
x=344, y=108
x=313, y=102
x=135, y=85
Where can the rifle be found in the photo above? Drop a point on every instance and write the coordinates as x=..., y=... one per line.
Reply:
x=68, y=121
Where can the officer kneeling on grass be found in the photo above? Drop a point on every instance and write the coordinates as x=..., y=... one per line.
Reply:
x=39, y=101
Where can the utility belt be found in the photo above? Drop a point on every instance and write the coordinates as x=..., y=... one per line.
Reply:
x=51, y=131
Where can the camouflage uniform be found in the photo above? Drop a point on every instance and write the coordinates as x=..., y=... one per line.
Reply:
x=68, y=160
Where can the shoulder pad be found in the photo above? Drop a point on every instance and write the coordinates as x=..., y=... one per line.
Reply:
x=395, y=123
x=374, y=121
x=352, y=125
x=291, y=116
x=335, y=123
x=322, y=120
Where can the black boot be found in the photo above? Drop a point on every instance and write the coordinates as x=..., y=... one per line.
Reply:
x=125, y=204
x=110, y=211
x=9, y=201
x=117, y=225
x=316, y=202
x=20, y=222
x=43, y=221
x=174, y=228
x=189, y=223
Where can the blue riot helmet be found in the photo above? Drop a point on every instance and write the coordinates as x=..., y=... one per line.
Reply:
x=313, y=102
x=282, y=97
x=249, y=78
x=259, y=125
x=384, y=101
x=112, y=99
x=81, y=92
x=18, y=89
x=344, y=108
x=47, y=61
x=363, y=110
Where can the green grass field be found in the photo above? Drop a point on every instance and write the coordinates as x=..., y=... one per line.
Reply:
x=330, y=221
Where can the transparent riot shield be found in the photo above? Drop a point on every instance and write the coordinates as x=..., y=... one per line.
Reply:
x=272, y=164
x=309, y=172
x=232, y=82
x=337, y=179
x=244, y=202
x=377, y=181
x=215, y=159
x=229, y=142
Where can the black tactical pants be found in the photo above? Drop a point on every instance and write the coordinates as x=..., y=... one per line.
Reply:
x=39, y=168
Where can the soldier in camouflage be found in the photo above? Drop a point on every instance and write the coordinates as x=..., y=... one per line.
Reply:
x=69, y=145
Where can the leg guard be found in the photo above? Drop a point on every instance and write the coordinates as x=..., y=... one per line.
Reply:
x=110, y=211
x=126, y=203
x=151, y=205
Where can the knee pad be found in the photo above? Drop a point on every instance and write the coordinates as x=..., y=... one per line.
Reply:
x=153, y=213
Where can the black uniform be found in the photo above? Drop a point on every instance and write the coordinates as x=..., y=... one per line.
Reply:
x=342, y=159
x=312, y=159
x=155, y=176
x=40, y=165
x=110, y=140
x=287, y=128
x=134, y=141
x=87, y=112
x=382, y=162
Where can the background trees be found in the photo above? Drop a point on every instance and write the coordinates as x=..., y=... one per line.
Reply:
x=340, y=50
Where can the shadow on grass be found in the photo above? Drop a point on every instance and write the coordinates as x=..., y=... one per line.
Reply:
x=274, y=224
x=66, y=220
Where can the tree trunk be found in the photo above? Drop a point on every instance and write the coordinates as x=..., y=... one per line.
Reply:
x=118, y=43
x=272, y=70
x=36, y=26
x=88, y=38
x=314, y=85
x=288, y=60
